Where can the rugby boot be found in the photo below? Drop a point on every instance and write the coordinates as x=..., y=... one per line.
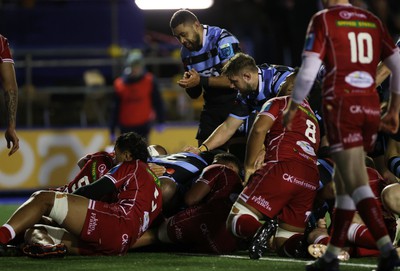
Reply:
x=45, y=251
x=9, y=251
x=392, y=262
x=259, y=243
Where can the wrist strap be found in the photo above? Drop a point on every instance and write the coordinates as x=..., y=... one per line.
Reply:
x=204, y=81
x=203, y=147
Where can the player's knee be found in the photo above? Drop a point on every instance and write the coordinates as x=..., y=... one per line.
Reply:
x=390, y=197
x=59, y=210
x=237, y=210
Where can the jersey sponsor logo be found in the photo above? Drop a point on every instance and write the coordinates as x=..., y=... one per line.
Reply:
x=358, y=109
x=359, y=79
x=309, y=41
x=292, y=179
x=353, y=137
x=306, y=147
x=226, y=51
x=92, y=223
x=94, y=175
x=124, y=241
x=262, y=202
x=348, y=15
x=209, y=72
x=358, y=24
x=102, y=168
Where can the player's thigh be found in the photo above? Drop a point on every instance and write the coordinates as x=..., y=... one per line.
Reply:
x=351, y=165
x=76, y=215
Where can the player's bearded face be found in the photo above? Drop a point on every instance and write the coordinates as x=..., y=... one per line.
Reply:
x=189, y=36
x=246, y=88
x=193, y=43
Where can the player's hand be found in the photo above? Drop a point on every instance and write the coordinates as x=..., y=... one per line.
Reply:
x=389, y=123
x=157, y=169
x=190, y=79
x=12, y=141
x=247, y=174
x=259, y=163
x=191, y=149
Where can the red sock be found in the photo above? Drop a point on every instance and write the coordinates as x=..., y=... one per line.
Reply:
x=371, y=214
x=324, y=240
x=360, y=236
x=6, y=234
x=245, y=226
x=340, y=224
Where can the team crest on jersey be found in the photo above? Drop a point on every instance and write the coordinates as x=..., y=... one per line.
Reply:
x=226, y=51
x=309, y=41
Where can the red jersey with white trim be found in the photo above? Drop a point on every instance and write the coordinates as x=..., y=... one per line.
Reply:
x=111, y=228
x=351, y=42
x=301, y=143
x=97, y=165
x=5, y=52
x=138, y=190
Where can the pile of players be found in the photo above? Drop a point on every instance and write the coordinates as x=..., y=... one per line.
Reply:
x=265, y=174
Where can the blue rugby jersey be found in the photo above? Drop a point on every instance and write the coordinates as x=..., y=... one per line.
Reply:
x=182, y=167
x=218, y=47
x=270, y=79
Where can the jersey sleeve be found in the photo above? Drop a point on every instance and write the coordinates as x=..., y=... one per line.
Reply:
x=315, y=37
x=5, y=52
x=209, y=175
x=271, y=108
x=228, y=46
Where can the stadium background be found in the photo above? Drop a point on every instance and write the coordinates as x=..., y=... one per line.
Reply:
x=67, y=54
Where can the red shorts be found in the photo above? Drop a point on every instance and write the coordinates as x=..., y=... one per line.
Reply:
x=352, y=121
x=107, y=230
x=285, y=190
x=203, y=230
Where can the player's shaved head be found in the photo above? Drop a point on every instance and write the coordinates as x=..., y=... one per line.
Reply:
x=182, y=16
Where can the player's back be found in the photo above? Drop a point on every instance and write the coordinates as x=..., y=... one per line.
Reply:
x=183, y=167
x=351, y=42
x=300, y=143
x=224, y=184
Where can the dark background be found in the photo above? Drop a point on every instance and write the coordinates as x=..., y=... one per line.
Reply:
x=271, y=31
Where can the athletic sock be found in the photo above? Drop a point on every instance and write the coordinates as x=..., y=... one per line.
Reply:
x=7, y=233
x=360, y=236
x=341, y=221
x=245, y=226
x=371, y=214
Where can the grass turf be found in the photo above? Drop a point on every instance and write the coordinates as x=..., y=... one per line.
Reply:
x=161, y=261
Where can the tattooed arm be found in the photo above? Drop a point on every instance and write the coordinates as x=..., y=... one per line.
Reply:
x=10, y=87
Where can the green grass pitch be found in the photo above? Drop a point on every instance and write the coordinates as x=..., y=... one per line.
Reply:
x=163, y=261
